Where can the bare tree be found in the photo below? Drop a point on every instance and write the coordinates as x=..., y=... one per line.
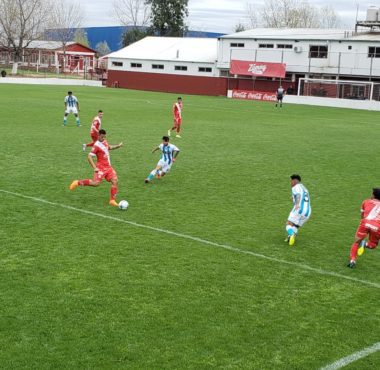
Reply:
x=329, y=18
x=132, y=12
x=21, y=22
x=291, y=14
x=65, y=18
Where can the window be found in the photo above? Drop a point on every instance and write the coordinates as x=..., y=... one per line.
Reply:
x=236, y=45
x=136, y=65
x=284, y=46
x=267, y=46
x=318, y=51
x=349, y=47
x=117, y=64
x=180, y=68
x=204, y=69
x=157, y=66
x=373, y=52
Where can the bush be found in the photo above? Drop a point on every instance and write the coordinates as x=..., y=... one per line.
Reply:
x=3, y=73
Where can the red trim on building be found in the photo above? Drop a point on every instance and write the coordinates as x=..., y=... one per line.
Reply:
x=79, y=48
x=197, y=85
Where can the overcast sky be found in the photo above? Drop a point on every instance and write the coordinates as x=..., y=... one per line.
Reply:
x=220, y=15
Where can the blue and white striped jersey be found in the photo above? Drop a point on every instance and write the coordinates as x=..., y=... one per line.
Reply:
x=300, y=192
x=72, y=101
x=167, y=152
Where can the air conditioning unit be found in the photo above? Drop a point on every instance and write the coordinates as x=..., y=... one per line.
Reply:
x=297, y=49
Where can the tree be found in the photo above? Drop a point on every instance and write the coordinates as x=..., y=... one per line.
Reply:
x=168, y=17
x=102, y=48
x=132, y=12
x=80, y=36
x=292, y=14
x=135, y=34
x=21, y=22
x=240, y=27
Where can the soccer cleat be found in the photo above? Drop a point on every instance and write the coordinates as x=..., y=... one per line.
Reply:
x=352, y=264
x=113, y=203
x=361, y=249
x=147, y=181
x=169, y=133
x=158, y=176
x=74, y=185
x=287, y=239
x=292, y=239
x=84, y=147
x=178, y=136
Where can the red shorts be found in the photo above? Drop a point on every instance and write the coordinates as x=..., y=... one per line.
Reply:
x=370, y=228
x=108, y=174
x=94, y=136
x=177, y=121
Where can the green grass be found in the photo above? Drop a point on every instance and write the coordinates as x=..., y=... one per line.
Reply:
x=79, y=291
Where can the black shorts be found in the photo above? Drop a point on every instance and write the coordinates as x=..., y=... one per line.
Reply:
x=279, y=97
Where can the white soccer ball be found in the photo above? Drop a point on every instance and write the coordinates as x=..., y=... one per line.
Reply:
x=123, y=205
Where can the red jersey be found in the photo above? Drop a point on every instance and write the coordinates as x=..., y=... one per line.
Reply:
x=371, y=210
x=96, y=124
x=177, y=109
x=100, y=150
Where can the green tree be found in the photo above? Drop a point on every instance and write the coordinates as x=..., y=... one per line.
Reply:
x=102, y=48
x=80, y=36
x=168, y=17
x=135, y=34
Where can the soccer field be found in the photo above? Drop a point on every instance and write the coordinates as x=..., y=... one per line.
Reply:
x=195, y=274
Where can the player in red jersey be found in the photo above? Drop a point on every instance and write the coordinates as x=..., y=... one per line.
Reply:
x=369, y=226
x=177, y=117
x=94, y=131
x=102, y=167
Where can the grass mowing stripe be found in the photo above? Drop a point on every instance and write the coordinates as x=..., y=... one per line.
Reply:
x=352, y=358
x=203, y=241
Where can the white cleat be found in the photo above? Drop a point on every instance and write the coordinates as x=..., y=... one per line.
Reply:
x=169, y=133
x=84, y=147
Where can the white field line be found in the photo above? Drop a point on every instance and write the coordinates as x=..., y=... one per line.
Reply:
x=199, y=240
x=352, y=358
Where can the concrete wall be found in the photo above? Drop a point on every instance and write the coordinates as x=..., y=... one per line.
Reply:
x=49, y=81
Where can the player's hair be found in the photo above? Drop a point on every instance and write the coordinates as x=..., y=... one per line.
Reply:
x=102, y=132
x=69, y=92
x=179, y=98
x=165, y=138
x=296, y=177
x=100, y=111
x=376, y=193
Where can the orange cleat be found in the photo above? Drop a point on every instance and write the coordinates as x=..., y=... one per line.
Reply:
x=114, y=203
x=74, y=185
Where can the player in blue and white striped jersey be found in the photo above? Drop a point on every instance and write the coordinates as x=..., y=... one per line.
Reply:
x=301, y=210
x=168, y=157
x=71, y=106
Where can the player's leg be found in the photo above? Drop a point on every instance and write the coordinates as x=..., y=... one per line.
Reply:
x=84, y=182
x=280, y=102
x=65, y=119
x=94, y=139
x=154, y=172
x=114, y=189
x=291, y=230
x=77, y=119
x=360, y=235
x=178, y=128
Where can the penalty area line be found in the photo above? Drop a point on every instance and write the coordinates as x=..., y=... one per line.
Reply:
x=353, y=358
x=199, y=240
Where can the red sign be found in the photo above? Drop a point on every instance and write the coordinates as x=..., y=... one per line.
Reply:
x=264, y=69
x=254, y=95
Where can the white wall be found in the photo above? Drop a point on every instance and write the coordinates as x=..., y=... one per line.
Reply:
x=352, y=62
x=49, y=81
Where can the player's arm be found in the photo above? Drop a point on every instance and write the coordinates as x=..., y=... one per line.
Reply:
x=78, y=105
x=297, y=201
x=90, y=159
x=155, y=149
x=175, y=154
x=117, y=146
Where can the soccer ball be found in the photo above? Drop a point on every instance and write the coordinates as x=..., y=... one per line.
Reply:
x=123, y=205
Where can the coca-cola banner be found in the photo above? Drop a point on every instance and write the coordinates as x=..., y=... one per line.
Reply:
x=254, y=95
x=264, y=69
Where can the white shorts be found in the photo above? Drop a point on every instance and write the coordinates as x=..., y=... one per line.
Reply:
x=165, y=166
x=297, y=219
x=73, y=110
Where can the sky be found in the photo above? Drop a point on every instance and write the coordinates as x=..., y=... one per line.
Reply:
x=221, y=15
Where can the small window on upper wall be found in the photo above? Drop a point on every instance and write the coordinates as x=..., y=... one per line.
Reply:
x=373, y=52
x=157, y=66
x=117, y=64
x=236, y=45
x=284, y=46
x=318, y=51
x=136, y=65
x=266, y=46
x=204, y=69
x=180, y=68
x=349, y=47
